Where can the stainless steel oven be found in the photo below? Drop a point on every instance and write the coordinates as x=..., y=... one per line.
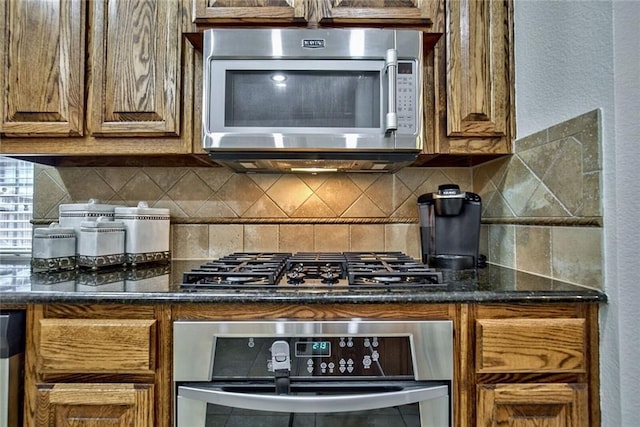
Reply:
x=313, y=373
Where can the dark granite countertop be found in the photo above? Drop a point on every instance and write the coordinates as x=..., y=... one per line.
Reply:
x=161, y=284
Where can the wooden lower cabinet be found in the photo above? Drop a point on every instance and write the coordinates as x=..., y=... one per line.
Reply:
x=523, y=405
x=95, y=405
x=110, y=365
x=98, y=365
x=531, y=366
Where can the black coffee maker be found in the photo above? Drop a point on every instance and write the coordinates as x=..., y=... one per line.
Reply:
x=450, y=228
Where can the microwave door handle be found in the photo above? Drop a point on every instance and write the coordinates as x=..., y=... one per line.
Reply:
x=313, y=404
x=391, y=67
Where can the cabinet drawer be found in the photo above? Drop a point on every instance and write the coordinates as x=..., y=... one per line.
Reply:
x=95, y=405
x=530, y=345
x=96, y=346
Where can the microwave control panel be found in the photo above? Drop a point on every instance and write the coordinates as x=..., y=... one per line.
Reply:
x=353, y=356
x=406, y=86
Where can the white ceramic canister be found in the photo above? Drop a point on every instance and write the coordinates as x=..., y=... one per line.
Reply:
x=74, y=214
x=147, y=233
x=101, y=243
x=53, y=248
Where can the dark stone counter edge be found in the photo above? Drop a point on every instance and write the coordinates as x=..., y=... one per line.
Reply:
x=523, y=297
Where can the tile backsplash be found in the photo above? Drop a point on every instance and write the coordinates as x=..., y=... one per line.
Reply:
x=541, y=206
x=215, y=211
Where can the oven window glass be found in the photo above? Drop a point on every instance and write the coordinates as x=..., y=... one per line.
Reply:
x=406, y=415
x=301, y=98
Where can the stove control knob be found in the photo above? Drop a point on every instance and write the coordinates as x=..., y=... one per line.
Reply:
x=374, y=342
x=251, y=343
x=375, y=355
x=366, y=362
x=342, y=343
x=349, y=342
x=367, y=343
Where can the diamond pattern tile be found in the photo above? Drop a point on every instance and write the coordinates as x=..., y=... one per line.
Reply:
x=48, y=195
x=239, y=192
x=338, y=193
x=314, y=207
x=264, y=207
x=388, y=193
x=289, y=193
x=189, y=193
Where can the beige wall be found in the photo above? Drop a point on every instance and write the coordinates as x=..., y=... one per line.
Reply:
x=541, y=208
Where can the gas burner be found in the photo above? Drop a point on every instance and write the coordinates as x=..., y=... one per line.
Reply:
x=329, y=276
x=310, y=271
x=238, y=269
x=296, y=275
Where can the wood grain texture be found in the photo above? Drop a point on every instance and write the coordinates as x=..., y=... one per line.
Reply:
x=470, y=104
x=42, y=69
x=96, y=405
x=530, y=345
x=535, y=365
x=478, y=68
x=311, y=312
x=405, y=12
x=134, y=86
x=522, y=405
x=247, y=11
x=120, y=346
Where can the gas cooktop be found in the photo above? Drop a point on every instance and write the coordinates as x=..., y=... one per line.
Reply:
x=313, y=271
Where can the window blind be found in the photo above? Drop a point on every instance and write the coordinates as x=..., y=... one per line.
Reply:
x=16, y=205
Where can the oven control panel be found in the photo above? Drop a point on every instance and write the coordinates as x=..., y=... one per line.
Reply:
x=339, y=356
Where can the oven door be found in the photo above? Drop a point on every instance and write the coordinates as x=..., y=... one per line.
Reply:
x=347, y=403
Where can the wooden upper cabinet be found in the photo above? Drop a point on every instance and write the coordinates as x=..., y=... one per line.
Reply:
x=134, y=86
x=249, y=11
x=314, y=12
x=479, y=68
x=42, y=70
x=417, y=12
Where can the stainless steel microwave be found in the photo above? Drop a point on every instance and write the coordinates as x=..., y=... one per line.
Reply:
x=290, y=100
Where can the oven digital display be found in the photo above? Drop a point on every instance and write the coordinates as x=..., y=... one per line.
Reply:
x=313, y=348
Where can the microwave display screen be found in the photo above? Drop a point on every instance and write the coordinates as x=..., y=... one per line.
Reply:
x=303, y=98
x=405, y=68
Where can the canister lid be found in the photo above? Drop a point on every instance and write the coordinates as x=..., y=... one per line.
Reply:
x=54, y=230
x=102, y=222
x=142, y=209
x=93, y=205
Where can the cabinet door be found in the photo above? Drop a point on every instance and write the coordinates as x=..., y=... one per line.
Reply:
x=524, y=405
x=42, y=69
x=478, y=68
x=95, y=405
x=134, y=84
x=417, y=12
x=248, y=11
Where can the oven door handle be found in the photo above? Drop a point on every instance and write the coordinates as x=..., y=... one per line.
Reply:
x=313, y=404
